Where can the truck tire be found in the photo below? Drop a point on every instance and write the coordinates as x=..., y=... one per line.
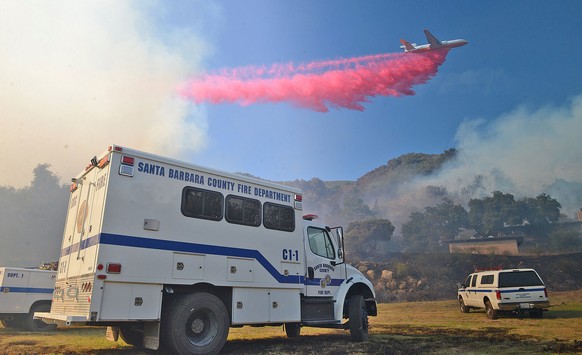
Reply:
x=36, y=325
x=464, y=309
x=16, y=323
x=131, y=336
x=293, y=330
x=491, y=312
x=358, y=318
x=196, y=323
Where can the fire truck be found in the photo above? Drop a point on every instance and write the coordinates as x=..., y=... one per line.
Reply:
x=169, y=254
x=24, y=291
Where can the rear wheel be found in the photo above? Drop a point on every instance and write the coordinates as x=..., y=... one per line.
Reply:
x=195, y=324
x=293, y=330
x=358, y=318
x=36, y=325
x=464, y=309
x=491, y=313
x=15, y=323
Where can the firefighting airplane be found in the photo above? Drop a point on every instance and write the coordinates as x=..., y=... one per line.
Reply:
x=433, y=43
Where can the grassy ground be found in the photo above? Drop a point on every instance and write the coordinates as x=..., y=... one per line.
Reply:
x=401, y=328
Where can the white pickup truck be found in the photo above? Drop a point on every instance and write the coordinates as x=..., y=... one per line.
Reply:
x=23, y=292
x=515, y=290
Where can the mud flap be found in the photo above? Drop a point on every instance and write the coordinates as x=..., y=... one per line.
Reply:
x=112, y=333
x=151, y=335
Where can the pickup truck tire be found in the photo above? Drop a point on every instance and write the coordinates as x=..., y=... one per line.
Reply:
x=491, y=312
x=293, y=330
x=464, y=309
x=195, y=323
x=36, y=325
x=358, y=318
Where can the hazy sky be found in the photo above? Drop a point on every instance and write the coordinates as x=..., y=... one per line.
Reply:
x=78, y=76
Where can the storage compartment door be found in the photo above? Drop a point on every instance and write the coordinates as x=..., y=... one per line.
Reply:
x=130, y=301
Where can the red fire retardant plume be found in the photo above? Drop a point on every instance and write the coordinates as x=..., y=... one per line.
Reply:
x=318, y=85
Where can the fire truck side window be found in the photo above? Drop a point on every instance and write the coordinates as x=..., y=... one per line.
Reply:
x=320, y=243
x=200, y=203
x=242, y=210
x=279, y=217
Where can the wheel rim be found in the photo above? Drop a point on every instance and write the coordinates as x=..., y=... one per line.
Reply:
x=201, y=327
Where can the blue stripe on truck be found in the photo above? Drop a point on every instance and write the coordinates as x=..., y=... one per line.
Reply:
x=169, y=245
x=6, y=289
x=504, y=290
x=148, y=243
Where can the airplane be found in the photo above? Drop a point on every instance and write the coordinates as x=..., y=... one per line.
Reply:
x=433, y=43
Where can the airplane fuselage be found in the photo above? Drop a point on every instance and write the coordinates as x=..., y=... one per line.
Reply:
x=433, y=44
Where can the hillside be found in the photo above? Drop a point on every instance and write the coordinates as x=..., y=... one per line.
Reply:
x=412, y=277
x=388, y=191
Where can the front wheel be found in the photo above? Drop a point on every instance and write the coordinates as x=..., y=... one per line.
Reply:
x=358, y=318
x=196, y=323
x=464, y=308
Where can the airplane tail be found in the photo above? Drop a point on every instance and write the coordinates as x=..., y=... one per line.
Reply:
x=406, y=45
x=434, y=42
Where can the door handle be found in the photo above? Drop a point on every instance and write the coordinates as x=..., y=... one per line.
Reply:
x=310, y=273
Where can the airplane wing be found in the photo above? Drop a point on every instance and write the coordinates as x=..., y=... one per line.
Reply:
x=406, y=45
x=432, y=40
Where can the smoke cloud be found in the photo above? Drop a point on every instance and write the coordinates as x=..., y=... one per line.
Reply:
x=524, y=152
x=343, y=83
x=78, y=76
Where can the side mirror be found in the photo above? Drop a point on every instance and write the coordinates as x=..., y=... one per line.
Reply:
x=340, y=242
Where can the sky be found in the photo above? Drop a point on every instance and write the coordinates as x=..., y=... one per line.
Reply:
x=76, y=77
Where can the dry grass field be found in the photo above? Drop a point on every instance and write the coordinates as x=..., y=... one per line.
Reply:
x=436, y=327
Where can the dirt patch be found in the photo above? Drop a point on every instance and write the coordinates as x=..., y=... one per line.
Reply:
x=402, y=342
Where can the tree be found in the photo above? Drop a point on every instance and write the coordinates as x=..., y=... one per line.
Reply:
x=489, y=215
x=364, y=237
x=32, y=219
x=426, y=231
x=356, y=209
x=541, y=210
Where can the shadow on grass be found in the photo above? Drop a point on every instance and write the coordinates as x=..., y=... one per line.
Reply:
x=562, y=314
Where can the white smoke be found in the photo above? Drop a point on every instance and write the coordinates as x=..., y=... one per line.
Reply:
x=522, y=153
x=77, y=76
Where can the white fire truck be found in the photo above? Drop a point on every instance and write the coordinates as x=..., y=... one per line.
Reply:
x=171, y=254
x=22, y=293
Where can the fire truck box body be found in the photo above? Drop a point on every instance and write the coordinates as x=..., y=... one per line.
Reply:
x=145, y=233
